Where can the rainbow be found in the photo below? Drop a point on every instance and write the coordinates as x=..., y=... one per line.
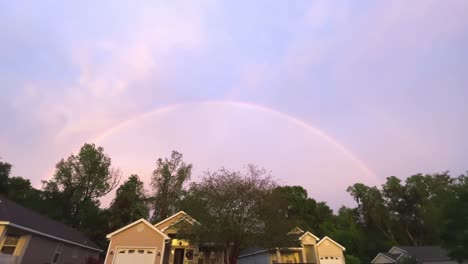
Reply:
x=249, y=106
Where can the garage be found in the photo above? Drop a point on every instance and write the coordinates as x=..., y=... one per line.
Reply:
x=135, y=255
x=330, y=260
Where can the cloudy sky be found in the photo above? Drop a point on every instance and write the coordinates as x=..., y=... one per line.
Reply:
x=321, y=93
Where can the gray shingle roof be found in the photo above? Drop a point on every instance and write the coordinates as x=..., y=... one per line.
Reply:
x=25, y=217
x=392, y=256
x=426, y=253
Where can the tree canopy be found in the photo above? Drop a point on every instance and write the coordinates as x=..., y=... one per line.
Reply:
x=238, y=209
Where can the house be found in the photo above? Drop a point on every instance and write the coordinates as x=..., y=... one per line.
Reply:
x=28, y=237
x=305, y=247
x=144, y=243
x=422, y=254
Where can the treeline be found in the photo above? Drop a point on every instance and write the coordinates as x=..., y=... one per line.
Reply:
x=243, y=208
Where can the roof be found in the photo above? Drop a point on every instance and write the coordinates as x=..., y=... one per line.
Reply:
x=141, y=220
x=259, y=250
x=389, y=256
x=426, y=253
x=309, y=233
x=15, y=215
x=175, y=215
x=331, y=240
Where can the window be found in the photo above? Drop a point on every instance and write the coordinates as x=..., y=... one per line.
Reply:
x=9, y=244
x=75, y=252
x=58, y=251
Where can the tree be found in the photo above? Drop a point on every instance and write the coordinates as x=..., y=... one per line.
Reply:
x=80, y=181
x=168, y=181
x=455, y=228
x=5, y=169
x=305, y=212
x=228, y=204
x=21, y=191
x=129, y=203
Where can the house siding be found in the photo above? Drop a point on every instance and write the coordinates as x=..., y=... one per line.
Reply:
x=41, y=250
x=139, y=235
x=330, y=250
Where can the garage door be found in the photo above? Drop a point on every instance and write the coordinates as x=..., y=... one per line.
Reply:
x=330, y=260
x=135, y=255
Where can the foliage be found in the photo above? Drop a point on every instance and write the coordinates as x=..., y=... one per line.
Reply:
x=79, y=181
x=350, y=259
x=5, y=169
x=240, y=209
x=455, y=229
x=168, y=181
x=129, y=203
x=228, y=205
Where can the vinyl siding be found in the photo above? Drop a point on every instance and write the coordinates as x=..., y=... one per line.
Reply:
x=41, y=250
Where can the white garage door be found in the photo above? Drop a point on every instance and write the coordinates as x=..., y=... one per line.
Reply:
x=135, y=255
x=330, y=260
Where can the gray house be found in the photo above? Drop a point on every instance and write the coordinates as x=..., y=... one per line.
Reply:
x=28, y=237
x=303, y=247
x=423, y=254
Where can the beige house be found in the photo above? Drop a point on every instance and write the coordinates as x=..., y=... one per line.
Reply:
x=143, y=243
x=306, y=248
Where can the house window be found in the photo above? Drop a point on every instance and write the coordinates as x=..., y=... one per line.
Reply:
x=75, y=252
x=58, y=252
x=9, y=244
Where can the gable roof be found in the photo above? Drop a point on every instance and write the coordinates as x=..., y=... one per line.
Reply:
x=296, y=231
x=331, y=240
x=389, y=256
x=309, y=233
x=20, y=217
x=426, y=253
x=187, y=216
x=141, y=220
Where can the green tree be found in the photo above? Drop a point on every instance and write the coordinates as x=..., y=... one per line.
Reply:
x=229, y=204
x=129, y=203
x=455, y=228
x=5, y=169
x=305, y=212
x=167, y=182
x=79, y=181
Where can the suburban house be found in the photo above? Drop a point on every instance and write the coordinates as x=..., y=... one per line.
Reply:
x=143, y=243
x=304, y=248
x=422, y=254
x=28, y=237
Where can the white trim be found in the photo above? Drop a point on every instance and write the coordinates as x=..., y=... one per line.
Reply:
x=141, y=220
x=188, y=219
x=398, y=249
x=270, y=249
x=107, y=253
x=380, y=254
x=47, y=235
x=309, y=233
x=163, y=251
x=333, y=241
x=137, y=247
x=256, y=252
x=295, y=231
x=174, y=215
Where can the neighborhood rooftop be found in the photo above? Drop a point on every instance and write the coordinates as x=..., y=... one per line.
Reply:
x=20, y=217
